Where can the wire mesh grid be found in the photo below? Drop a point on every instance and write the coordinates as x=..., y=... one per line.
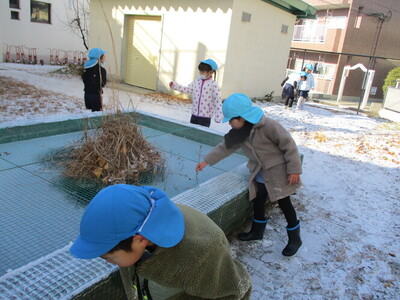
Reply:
x=55, y=276
x=61, y=276
x=41, y=209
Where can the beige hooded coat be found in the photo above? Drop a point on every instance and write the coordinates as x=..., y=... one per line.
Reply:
x=271, y=148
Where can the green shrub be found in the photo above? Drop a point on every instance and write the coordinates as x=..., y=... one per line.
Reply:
x=70, y=69
x=391, y=79
x=267, y=98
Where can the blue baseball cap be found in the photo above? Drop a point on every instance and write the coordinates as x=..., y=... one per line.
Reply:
x=211, y=63
x=239, y=105
x=94, y=55
x=309, y=66
x=120, y=211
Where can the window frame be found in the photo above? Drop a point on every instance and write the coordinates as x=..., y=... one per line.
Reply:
x=17, y=5
x=36, y=20
x=13, y=12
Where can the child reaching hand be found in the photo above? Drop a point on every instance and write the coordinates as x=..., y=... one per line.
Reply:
x=206, y=94
x=274, y=164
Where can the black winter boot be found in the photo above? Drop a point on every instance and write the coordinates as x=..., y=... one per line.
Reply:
x=294, y=240
x=256, y=232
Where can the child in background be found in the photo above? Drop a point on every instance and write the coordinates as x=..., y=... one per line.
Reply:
x=302, y=90
x=94, y=78
x=306, y=88
x=289, y=88
x=274, y=164
x=206, y=94
x=164, y=250
x=309, y=68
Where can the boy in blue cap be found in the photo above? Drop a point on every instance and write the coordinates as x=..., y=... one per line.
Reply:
x=306, y=86
x=94, y=78
x=289, y=88
x=206, y=94
x=167, y=251
x=274, y=164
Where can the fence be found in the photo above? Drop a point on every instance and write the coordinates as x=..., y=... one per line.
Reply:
x=328, y=69
x=26, y=55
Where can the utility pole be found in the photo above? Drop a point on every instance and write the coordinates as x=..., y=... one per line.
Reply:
x=381, y=19
x=372, y=60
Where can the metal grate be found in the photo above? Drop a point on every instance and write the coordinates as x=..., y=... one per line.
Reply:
x=39, y=203
x=61, y=276
x=55, y=276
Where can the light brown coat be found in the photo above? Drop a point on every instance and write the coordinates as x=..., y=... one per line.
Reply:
x=269, y=147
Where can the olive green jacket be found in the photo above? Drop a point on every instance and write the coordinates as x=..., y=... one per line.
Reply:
x=201, y=264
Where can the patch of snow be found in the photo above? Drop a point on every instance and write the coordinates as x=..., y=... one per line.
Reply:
x=349, y=206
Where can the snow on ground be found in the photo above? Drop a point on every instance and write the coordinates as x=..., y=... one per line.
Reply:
x=349, y=206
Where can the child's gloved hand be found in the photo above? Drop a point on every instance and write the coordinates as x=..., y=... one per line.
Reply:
x=171, y=84
x=200, y=166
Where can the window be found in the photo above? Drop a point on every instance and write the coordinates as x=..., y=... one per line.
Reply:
x=337, y=22
x=14, y=3
x=14, y=15
x=310, y=32
x=324, y=70
x=40, y=12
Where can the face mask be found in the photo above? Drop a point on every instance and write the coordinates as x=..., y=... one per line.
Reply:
x=203, y=77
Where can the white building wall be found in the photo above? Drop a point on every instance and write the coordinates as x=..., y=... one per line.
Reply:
x=252, y=55
x=190, y=33
x=257, y=50
x=44, y=37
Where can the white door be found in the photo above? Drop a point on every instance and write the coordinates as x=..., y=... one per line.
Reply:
x=144, y=36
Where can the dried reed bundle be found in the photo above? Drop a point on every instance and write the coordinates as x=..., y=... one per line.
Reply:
x=117, y=152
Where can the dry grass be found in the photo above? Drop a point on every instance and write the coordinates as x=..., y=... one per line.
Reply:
x=14, y=89
x=20, y=99
x=116, y=153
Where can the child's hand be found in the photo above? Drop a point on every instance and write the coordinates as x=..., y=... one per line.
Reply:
x=293, y=178
x=200, y=166
x=171, y=84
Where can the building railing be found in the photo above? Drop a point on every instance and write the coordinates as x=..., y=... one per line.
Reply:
x=309, y=34
x=323, y=84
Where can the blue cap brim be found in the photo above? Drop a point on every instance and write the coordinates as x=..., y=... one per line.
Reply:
x=91, y=63
x=86, y=250
x=253, y=115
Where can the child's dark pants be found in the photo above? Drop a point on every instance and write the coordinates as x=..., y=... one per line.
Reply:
x=284, y=204
x=93, y=101
x=200, y=121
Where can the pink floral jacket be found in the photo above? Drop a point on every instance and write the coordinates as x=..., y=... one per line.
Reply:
x=206, y=98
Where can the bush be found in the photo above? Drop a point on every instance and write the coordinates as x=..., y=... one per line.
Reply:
x=70, y=69
x=267, y=98
x=391, y=79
